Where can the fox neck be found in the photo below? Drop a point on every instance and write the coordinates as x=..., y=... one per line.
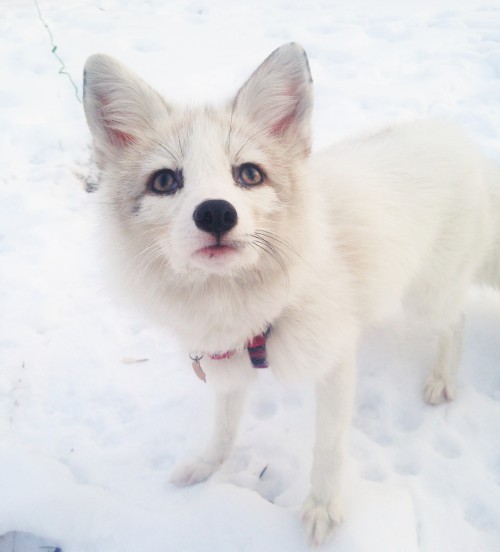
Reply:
x=223, y=313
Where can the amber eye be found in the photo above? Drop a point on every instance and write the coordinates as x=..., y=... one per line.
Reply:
x=165, y=182
x=249, y=175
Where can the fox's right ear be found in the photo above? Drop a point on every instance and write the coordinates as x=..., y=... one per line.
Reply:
x=119, y=106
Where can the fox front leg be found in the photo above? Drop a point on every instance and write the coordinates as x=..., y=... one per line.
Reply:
x=323, y=510
x=230, y=380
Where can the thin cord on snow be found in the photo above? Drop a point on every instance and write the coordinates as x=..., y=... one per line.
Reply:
x=62, y=70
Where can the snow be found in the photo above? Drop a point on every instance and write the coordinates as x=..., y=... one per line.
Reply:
x=88, y=438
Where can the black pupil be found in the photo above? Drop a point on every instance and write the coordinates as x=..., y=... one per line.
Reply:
x=251, y=174
x=164, y=180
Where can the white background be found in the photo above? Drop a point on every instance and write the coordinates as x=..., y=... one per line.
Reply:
x=87, y=441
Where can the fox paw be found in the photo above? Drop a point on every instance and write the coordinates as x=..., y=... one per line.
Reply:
x=192, y=472
x=437, y=390
x=320, y=520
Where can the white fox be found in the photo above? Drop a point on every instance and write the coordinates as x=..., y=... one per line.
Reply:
x=255, y=252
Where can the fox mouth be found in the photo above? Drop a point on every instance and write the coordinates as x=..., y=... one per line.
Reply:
x=217, y=251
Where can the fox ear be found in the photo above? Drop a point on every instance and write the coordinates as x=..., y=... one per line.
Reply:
x=119, y=106
x=278, y=96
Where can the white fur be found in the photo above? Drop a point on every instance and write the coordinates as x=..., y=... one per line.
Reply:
x=402, y=218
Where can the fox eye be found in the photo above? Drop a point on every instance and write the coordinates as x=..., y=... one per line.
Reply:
x=249, y=174
x=165, y=182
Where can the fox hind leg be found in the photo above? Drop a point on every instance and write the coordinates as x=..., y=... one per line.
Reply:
x=441, y=382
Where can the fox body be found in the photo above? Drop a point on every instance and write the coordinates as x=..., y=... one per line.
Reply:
x=223, y=224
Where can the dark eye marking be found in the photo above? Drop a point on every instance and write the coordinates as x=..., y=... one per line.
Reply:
x=249, y=175
x=165, y=182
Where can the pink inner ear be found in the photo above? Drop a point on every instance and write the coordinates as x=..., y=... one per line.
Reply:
x=116, y=137
x=280, y=127
x=284, y=122
x=120, y=138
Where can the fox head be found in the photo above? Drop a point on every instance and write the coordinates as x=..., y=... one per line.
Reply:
x=204, y=191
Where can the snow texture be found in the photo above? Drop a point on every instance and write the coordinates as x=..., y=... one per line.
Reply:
x=88, y=438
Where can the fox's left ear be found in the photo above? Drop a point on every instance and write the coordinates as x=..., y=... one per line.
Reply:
x=278, y=97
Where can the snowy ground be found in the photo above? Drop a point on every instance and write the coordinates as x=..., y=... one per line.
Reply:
x=87, y=440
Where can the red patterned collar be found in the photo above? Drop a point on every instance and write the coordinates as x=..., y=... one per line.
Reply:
x=256, y=350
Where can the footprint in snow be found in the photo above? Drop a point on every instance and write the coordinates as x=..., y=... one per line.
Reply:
x=447, y=447
x=264, y=409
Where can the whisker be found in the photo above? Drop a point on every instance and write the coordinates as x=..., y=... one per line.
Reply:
x=169, y=151
x=264, y=248
x=268, y=248
x=273, y=236
x=253, y=246
x=275, y=248
x=182, y=144
x=141, y=263
x=260, y=131
x=228, y=141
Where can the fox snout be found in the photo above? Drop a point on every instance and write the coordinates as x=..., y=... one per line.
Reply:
x=215, y=216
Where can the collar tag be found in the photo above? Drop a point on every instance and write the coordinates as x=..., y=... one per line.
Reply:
x=198, y=370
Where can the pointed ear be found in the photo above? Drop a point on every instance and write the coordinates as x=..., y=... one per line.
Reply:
x=119, y=106
x=278, y=96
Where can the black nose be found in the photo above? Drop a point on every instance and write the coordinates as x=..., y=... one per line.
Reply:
x=215, y=216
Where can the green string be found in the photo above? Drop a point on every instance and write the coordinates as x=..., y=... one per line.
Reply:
x=62, y=70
